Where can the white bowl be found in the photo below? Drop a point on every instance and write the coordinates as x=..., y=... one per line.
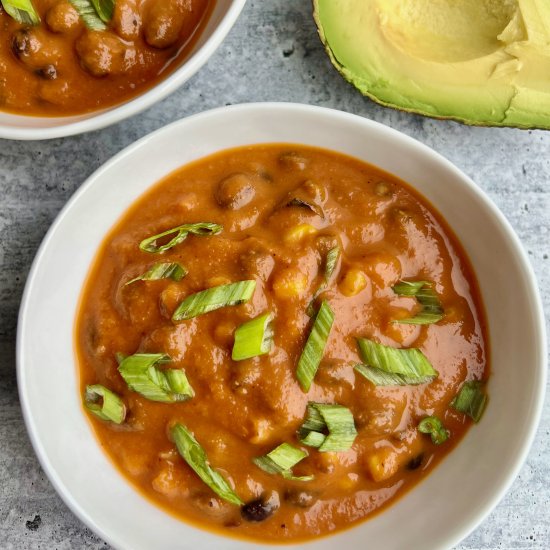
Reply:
x=441, y=510
x=222, y=18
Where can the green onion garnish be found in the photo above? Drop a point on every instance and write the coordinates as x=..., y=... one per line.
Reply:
x=22, y=11
x=214, y=298
x=433, y=426
x=104, y=404
x=281, y=460
x=104, y=8
x=173, y=271
x=431, y=311
x=88, y=11
x=331, y=262
x=144, y=377
x=195, y=456
x=471, y=400
x=336, y=420
x=180, y=234
x=253, y=338
x=315, y=346
x=387, y=366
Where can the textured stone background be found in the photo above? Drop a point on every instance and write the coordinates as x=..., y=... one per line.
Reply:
x=272, y=54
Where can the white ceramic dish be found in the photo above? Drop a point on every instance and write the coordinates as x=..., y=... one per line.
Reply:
x=223, y=17
x=439, y=512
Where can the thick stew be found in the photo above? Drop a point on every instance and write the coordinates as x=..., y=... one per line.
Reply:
x=65, y=57
x=278, y=341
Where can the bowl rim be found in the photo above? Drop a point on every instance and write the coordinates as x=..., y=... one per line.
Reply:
x=138, y=104
x=466, y=527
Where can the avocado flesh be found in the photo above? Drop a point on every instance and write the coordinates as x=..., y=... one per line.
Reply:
x=483, y=62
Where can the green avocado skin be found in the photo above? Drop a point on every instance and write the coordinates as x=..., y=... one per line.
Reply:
x=390, y=90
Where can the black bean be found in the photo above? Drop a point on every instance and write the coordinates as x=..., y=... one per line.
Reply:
x=49, y=72
x=415, y=462
x=261, y=508
x=21, y=42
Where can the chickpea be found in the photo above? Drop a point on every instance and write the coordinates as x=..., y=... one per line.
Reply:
x=235, y=191
x=164, y=22
x=353, y=282
x=126, y=19
x=289, y=283
x=62, y=17
x=102, y=53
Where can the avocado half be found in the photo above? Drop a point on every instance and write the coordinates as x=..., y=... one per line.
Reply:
x=482, y=62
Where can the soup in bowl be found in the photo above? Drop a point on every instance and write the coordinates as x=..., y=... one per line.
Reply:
x=281, y=332
x=69, y=67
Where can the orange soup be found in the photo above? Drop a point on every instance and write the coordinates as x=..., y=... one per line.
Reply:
x=55, y=60
x=277, y=341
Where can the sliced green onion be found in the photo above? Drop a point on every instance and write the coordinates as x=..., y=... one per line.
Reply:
x=195, y=456
x=281, y=460
x=104, y=404
x=315, y=346
x=431, y=311
x=144, y=377
x=180, y=234
x=214, y=298
x=387, y=366
x=87, y=11
x=334, y=419
x=330, y=265
x=253, y=338
x=105, y=9
x=173, y=271
x=471, y=400
x=22, y=11
x=433, y=426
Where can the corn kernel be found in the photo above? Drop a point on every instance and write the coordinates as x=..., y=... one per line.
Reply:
x=289, y=283
x=383, y=464
x=218, y=281
x=353, y=283
x=348, y=482
x=298, y=233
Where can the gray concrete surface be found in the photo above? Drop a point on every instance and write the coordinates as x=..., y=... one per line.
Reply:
x=272, y=54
